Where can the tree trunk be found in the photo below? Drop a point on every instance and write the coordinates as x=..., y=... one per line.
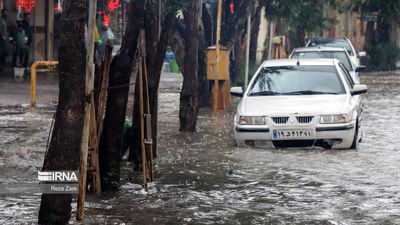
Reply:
x=231, y=34
x=369, y=36
x=297, y=38
x=205, y=40
x=239, y=49
x=204, y=84
x=383, y=32
x=63, y=153
x=177, y=43
x=154, y=58
x=188, y=108
x=120, y=73
x=255, y=27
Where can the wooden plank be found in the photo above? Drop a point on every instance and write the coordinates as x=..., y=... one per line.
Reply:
x=141, y=48
x=85, y=136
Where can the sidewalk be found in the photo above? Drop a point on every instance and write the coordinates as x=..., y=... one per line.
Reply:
x=383, y=77
x=16, y=91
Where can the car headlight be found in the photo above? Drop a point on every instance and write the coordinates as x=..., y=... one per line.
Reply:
x=251, y=120
x=341, y=118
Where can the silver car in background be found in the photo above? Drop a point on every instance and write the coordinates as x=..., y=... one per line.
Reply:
x=338, y=43
x=329, y=52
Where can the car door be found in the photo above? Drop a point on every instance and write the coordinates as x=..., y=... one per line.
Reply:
x=356, y=98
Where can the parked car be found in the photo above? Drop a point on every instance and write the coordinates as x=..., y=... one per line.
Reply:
x=300, y=103
x=328, y=52
x=338, y=43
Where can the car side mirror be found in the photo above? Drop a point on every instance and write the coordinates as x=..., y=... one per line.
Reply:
x=359, y=89
x=362, y=54
x=361, y=69
x=237, y=91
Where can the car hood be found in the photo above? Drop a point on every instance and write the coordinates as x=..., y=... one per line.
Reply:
x=305, y=104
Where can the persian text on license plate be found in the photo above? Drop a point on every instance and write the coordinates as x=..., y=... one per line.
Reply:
x=287, y=134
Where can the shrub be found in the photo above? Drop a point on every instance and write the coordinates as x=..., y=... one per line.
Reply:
x=383, y=57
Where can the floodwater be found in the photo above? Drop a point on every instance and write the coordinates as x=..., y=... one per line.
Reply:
x=202, y=178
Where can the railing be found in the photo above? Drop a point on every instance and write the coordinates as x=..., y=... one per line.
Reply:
x=33, y=77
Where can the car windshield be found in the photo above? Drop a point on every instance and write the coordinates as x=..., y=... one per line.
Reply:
x=335, y=44
x=342, y=56
x=297, y=80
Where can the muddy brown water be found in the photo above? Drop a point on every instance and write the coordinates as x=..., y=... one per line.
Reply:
x=202, y=178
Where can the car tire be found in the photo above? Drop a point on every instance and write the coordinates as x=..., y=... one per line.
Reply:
x=355, y=139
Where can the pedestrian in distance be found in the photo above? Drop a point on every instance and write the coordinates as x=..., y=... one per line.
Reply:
x=4, y=47
x=18, y=39
x=28, y=34
x=21, y=38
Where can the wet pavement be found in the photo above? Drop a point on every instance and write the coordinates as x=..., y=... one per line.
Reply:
x=202, y=178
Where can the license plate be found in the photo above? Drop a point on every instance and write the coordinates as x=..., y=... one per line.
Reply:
x=292, y=134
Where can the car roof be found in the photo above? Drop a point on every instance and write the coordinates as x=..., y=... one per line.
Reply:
x=320, y=49
x=302, y=61
x=319, y=39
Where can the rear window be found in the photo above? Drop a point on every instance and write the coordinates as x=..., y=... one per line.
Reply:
x=336, y=44
x=326, y=54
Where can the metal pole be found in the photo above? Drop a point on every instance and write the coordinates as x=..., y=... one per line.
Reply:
x=159, y=18
x=215, y=105
x=50, y=31
x=246, y=77
x=88, y=88
x=271, y=28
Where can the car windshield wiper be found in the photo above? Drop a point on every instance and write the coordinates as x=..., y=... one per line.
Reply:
x=261, y=93
x=309, y=92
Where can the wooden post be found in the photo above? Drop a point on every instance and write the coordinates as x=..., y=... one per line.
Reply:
x=142, y=53
x=148, y=138
x=88, y=89
x=215, y=95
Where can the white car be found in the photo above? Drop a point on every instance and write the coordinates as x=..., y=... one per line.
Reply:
x=300, y=103
x=329, y=52
x=338, y=43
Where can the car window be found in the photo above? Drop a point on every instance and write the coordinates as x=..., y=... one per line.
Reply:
x=342, y=56
x=337, y=44
x=297, y=80
x=347, y=76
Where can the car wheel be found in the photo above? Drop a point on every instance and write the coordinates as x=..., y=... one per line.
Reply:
x=355, y=139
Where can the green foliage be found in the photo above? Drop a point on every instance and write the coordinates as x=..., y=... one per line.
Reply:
x=174, y=5
x=383, y=57
x=111, y=178
x=308, y=15
x=389, y=10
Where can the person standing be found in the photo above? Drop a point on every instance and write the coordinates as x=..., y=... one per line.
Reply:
x=28, y=34
x=4, y=48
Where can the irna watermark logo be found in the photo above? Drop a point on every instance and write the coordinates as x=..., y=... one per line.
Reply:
x=59, y=176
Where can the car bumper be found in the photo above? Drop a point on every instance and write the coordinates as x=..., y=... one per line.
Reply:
x=340, y=136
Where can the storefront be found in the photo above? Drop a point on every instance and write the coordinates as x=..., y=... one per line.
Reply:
x=45, y=23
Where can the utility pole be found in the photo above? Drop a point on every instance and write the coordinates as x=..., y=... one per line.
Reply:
x=215, y=96
x=88, y=89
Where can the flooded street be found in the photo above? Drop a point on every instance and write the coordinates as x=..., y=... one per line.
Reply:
x=202, y=178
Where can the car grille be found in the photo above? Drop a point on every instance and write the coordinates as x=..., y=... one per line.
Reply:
x=280, y=120
x=304, y=119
